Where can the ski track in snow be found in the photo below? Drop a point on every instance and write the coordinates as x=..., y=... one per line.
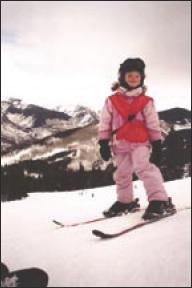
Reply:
x=157, y=255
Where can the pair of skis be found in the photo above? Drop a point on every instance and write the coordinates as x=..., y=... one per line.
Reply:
x=103, y=235
x=62, y=225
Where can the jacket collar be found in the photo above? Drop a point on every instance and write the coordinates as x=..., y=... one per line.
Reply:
x=134, y=92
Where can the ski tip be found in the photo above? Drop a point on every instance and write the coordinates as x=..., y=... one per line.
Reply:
x=57, y=223
x=54, y=221
x=98, y=233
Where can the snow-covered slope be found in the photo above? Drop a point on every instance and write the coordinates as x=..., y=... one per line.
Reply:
x=157, y=255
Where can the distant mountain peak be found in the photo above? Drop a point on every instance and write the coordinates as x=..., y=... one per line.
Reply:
x=176, y=115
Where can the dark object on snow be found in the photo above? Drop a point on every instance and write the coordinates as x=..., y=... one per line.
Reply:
x=158, y=208
x=32, y=277
x=105, y=149
x=119, y=208
x=4, y=271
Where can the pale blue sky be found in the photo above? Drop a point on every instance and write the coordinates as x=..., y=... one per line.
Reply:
x=68, y=52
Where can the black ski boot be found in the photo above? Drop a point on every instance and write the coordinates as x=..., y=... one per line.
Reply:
x=157, y=208
x=119, y=208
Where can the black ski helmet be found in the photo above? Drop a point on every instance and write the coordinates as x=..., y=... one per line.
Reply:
x=131, y=64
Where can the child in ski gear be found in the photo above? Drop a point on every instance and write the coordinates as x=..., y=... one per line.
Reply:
x=130, y=127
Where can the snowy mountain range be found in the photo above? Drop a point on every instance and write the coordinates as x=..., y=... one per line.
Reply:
x=56, y=149
x=176, y=116
x=23, y=125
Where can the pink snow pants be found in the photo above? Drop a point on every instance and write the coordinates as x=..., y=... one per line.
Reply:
x=137, y=160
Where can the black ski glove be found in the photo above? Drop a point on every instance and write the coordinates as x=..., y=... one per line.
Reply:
x=105, y=149
x=156, y=152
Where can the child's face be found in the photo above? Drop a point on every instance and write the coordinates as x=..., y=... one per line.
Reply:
x=133, y=78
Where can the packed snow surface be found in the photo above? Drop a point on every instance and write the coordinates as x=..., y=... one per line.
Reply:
x=157, y=255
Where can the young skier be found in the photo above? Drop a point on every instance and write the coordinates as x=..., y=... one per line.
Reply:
x=130, y=127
